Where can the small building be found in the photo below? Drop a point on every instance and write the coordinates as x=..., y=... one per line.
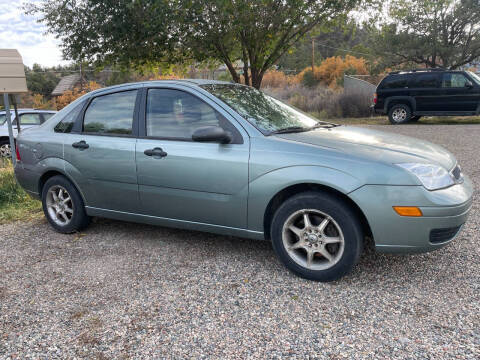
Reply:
x=66, y=83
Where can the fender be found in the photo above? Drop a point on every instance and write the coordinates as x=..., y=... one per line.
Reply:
x=411, y=100
x=264, y=188
x=54, y=164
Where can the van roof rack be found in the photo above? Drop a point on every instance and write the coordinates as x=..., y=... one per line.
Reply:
x=417, y=70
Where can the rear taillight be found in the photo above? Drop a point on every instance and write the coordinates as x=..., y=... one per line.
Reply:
x=18, y=154
x=375, y=98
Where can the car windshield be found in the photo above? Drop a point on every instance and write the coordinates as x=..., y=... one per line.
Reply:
x=263, y=111
x=475, y=77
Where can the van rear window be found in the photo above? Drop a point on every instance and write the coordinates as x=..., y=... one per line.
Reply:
x=395, y=81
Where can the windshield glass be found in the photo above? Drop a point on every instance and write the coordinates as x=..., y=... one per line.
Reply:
x=3, y=118
x=265, y=112
x=475, y=77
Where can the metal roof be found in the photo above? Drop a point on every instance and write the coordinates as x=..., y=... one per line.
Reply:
x=66, y=83
x=12, y=73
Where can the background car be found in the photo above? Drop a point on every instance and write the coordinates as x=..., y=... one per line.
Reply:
x=408, y=95
x=229, y=159
x=28, y=118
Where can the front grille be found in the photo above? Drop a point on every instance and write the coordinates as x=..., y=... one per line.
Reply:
x=443, y=235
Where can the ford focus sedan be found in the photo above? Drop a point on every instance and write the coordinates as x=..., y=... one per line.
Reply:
x=228, y=159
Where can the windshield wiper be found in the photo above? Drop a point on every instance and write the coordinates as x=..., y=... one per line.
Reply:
x=323, y=125
x=290, y=129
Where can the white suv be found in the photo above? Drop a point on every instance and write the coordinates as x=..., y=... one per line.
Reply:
x=28, y=118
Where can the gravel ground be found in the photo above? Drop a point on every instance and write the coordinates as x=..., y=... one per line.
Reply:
x=124, y=290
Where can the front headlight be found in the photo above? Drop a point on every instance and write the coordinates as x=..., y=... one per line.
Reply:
x=433, y=177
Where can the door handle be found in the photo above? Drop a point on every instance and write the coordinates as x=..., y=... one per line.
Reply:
x=156, y=152
x=82, y=145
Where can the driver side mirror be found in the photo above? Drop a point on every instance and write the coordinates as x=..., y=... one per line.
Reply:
x=469, y=85
x=212, y=134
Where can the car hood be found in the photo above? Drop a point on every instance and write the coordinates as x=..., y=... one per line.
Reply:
x=375, y=145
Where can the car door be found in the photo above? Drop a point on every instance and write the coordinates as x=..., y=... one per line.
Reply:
x=425, y=89
x=100, y=151
x=192, y=181
x=459, y=94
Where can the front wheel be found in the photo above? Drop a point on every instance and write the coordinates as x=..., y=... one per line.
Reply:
x=317, y=236
x=63, y=206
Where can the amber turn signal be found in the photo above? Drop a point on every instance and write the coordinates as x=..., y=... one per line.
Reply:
x=408, y=211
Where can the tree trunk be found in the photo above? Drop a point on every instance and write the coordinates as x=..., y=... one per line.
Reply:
x=257, y=77
x=245, y=67
x=233, y=72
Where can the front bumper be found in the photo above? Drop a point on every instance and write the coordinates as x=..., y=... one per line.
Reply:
x=444, y=212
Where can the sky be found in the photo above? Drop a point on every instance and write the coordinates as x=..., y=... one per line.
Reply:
x=22, y=32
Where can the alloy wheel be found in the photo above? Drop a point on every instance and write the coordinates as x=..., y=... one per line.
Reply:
x=5, y=151
x=313, y=239
x=59, y=205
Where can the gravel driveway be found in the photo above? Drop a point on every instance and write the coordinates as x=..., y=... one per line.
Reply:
x=123, y=290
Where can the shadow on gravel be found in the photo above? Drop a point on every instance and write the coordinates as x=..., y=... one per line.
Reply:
x=201, y=247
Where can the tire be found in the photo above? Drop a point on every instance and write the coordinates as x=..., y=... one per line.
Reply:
x=415, y=118
x=341, y=237
x=5, y=151
x=399, y=114
x=63, y=206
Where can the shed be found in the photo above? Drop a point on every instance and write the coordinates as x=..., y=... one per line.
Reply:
x=66, y=83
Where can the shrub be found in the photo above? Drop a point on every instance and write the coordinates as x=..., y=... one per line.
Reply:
x=330, y=72
x=15, y=203
x=276, y=79
x=70, y=95
x=324, y=102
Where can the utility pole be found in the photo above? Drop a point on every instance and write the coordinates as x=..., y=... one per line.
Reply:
x=313, y=55
x=81, y=77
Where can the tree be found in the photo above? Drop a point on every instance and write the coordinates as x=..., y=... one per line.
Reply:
x=41, y=81
x=433, y=33
x=143, y=32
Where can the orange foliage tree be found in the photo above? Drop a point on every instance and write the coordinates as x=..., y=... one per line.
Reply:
x=278, y=79
x=70, y=95
x=332, y=69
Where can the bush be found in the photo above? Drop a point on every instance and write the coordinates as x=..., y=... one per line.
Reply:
x=276, y=79
x=331, y=71
x=15, y=203
x=324, y=102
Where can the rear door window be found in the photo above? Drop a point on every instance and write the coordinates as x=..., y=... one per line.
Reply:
x=30, y=119
x=111, y=114
x=425, y=81
x=66, y=124
x=396, y=82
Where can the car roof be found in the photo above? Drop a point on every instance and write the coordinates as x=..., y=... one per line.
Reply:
x=422, y=71
x=185, y=82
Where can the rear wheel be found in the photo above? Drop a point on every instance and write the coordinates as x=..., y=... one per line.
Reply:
x=5, y=150
x=317, y=236
x=399, y=114
x=63, y=206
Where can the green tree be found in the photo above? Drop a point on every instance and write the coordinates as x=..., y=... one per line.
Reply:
x=433, y=33
x=41, y=80
x=145, y=32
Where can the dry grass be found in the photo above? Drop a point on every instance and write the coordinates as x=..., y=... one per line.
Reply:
x=15, y=203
